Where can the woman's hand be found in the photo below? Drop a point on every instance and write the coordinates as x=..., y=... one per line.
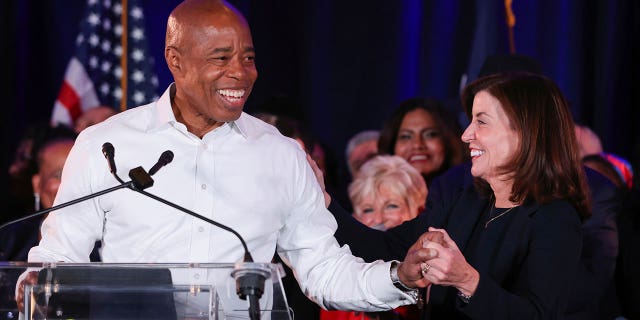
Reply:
x=449, y=267
x=411, y=271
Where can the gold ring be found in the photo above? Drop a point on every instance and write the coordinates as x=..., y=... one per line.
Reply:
x=425, y=268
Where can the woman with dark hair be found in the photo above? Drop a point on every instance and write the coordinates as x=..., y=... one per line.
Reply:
x=505, y=233
x=421, y=132
x=543, y=166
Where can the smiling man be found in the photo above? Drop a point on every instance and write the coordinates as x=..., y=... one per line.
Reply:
x=228, y=166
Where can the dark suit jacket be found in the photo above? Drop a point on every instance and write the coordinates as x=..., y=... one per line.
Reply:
x=525, y=259
x=628, y=263
x=592, y=294
x=17, y=239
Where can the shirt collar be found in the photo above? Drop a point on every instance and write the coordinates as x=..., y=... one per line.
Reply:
x=242, y=126
x=164, y=117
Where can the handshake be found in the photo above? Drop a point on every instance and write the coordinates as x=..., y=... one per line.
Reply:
x=436, y=259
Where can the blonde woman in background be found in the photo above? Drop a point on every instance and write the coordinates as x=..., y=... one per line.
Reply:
x=386, y=192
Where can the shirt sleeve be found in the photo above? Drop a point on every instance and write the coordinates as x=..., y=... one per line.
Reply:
x=327, y=273
x=69, y=234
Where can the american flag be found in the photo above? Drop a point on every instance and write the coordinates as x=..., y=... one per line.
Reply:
x=93, y=75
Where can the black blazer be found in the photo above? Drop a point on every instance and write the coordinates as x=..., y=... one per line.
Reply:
x=592, y=292
x=526, y=258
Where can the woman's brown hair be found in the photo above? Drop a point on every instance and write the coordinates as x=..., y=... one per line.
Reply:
x=548, y=166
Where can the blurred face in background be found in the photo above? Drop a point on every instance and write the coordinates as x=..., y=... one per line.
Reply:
x=93, y=116
x=420, y=142
x=50, y=161
x=383, y=209
x=361, y=153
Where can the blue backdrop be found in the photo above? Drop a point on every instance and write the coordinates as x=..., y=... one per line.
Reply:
x=346, y=64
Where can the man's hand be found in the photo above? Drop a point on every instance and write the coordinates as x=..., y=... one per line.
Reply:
x=411, y=272
x=31, y=279
x=425, y=238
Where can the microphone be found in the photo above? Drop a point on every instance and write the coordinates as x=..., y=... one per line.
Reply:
x=165, y=158
x=109, y=153
x=249, y=276
x=140, y=181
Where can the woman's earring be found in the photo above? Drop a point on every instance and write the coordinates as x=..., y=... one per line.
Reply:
x=36, y=203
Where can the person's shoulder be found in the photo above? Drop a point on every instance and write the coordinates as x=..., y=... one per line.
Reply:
x=258, y=130
x=597, y=181
x=136, y=117
x=445, y=190
x=559, y=211
x=254, y=126
x=460, y=172
x=557, y=205
x=457, y=176
x=558, y=225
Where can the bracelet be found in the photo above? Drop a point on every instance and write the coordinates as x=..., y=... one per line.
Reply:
x=465, y=298
x=412, y=292
x=393, y=273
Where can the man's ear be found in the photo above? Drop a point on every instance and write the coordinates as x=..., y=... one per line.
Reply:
x=172, y=56
x=35, y=182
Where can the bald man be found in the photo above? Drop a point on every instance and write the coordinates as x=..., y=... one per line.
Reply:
x=228, y=166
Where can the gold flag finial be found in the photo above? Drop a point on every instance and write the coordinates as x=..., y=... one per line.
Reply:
x=511, y=22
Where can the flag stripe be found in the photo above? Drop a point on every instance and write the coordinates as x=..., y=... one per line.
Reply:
x=94, y=75
x=70, y=100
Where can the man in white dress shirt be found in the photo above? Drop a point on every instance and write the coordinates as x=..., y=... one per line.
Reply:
x=228, y=166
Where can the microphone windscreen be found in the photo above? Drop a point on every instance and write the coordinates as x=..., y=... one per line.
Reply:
x=107, y=149
x=166, y=157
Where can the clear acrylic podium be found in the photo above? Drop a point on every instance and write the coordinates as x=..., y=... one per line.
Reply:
x=138, y=291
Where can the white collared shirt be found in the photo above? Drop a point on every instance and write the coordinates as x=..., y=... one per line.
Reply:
x=244, y=174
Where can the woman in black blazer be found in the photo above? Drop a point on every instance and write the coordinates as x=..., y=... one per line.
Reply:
x=511, y=235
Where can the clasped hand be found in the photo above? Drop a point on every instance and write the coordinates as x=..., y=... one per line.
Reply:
x=436, y=259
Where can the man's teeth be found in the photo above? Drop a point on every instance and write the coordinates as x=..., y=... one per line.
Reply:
x=231, y=93
x=475, y=153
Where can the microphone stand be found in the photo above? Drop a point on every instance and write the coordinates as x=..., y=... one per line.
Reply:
x=128, y=184
x=249, y=276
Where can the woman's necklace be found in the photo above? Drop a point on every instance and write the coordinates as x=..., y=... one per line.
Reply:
x=493, y=206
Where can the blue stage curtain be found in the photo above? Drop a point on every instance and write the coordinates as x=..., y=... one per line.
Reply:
x=347, y=64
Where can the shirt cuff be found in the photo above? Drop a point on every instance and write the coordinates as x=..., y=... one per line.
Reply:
x=385, y=289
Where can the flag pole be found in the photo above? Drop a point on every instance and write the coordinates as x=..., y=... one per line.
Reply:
x=125, y=53
x=511, y=22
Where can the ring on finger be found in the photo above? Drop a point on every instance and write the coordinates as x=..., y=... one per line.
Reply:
x=425, y=268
